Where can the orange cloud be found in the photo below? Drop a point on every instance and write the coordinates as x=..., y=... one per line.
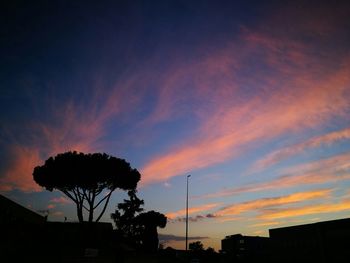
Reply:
x=191, y=210
x=259, y=204
x=287, y=152
x=306, y=210
x=322, y=171
x=228, y=219
x=273, y=223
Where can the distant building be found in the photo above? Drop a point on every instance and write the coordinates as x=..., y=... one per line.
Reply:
x=27, y=237
x=318, y=242
x=239, y=247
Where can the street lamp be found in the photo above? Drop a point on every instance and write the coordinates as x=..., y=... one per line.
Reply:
x=188, y=176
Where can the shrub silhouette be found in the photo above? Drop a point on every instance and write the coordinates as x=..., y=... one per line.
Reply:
x=124, y=216
x=196, y=246
x=149, y=222
x=85, y=177
x=138, y=228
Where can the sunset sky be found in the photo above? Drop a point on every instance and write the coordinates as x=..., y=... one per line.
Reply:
x=252, y=98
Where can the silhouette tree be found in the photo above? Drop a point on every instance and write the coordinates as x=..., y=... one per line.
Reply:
x=196, y=246
x=84, y=178
x=124, y=215
x=149, y=222
x=210, y=250
x=139, y=228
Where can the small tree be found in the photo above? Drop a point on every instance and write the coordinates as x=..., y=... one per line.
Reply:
x=138, y=228
x=124, y=215
x=196, y=246
x=87, y=179
x=149, y=222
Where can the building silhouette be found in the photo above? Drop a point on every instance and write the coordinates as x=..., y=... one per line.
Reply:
x=27, y=237
x=242, y=248
x=12, y=213
x=322, y=242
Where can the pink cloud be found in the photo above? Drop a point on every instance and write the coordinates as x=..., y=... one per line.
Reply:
x=284, y=153
x=60, y=200
x=299, y=91
x=19, y=172
x=265, y=206
x=226, y=134
x=72, y=127
x=333, y=169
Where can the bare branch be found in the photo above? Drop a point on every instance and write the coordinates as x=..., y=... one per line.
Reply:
x=104, y=207
x=107, y=196
x=69, y=195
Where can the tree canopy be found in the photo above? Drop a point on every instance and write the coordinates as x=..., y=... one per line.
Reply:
x=149, y=221
x=124, y=215
x=196, y=246
x=138, y=228
x=84, y=178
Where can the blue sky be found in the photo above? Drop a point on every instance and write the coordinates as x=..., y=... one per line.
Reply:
x=251, y=98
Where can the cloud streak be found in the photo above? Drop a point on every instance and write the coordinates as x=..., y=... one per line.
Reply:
x=191, y=210
x=270, y=208
x=333, y=169
x=236, y=125
x=259, y=204
x=60, y=200
x=344, y=205
x=287, y=152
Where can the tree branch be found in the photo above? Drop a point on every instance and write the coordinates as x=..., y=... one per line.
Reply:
x=69, y=195
x=107, y=196
x=105, y=206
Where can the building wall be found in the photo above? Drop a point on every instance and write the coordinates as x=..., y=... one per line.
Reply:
x=322, y=242
x=12, y=212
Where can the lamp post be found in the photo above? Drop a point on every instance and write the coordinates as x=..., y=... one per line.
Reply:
x=188, y=176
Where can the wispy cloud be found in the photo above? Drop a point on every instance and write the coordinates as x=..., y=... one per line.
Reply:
x=246, y=105
x=305, y=210
x=259, y=204
x=60, y=200
x=228, y=131
x=18, y=174
x=194, y=218
x=265, y=224
x=335, y=168
x=191, y=210
x=260, y=207
x=287, y=152
x=71, y=126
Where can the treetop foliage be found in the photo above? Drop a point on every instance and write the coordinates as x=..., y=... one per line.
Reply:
x=83, y=178
x=92, y=171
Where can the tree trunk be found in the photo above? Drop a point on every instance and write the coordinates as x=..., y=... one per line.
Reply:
x=91, y=212
x=80, y=213
x=104, y=207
